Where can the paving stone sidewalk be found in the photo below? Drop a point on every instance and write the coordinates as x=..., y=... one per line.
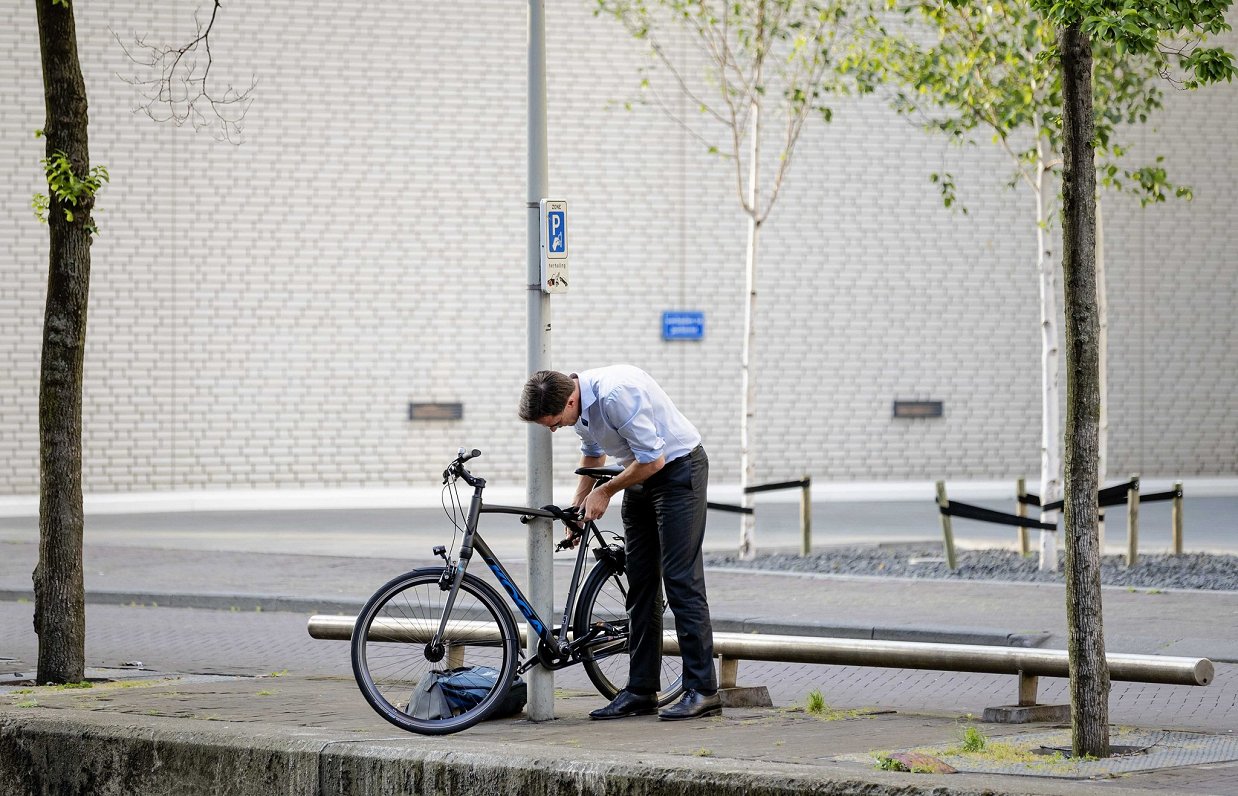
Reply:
x=782, y=744
x=897, y=709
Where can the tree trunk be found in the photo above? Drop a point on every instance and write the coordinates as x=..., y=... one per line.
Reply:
x=752, y=203
x=60, y=610
x=1051, y=426
x=747, y=527
x=1089, y=673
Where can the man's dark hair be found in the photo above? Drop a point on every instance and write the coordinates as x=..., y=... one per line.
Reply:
x=545, y=395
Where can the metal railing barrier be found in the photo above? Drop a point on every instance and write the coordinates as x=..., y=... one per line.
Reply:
x=1027, y=664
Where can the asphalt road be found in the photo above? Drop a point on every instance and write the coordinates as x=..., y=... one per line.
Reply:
x=1210, y=523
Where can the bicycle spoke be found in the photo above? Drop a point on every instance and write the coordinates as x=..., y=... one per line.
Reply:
x=399, y=669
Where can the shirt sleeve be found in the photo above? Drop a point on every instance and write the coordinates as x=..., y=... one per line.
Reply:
x=629, y=411
x=588, y=446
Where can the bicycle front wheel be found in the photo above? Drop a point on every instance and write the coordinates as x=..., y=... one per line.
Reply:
x=429, y=688
x=603, y=598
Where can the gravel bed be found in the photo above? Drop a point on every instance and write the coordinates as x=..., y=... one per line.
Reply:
x=1153, y=571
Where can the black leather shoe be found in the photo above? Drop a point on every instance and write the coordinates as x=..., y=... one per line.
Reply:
x=627, y=704
x=693, y=705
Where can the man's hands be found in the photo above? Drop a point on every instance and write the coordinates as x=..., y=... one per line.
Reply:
x=596, y=504
x=596, y=501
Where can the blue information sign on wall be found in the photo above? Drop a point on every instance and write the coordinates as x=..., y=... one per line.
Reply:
x=683, y=325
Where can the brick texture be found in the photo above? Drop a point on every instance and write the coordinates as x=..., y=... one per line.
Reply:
x=262, y=314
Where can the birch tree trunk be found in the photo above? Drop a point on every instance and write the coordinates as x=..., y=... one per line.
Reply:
x=1051, y=429
x=747, y=526
x=59, y=595
x=1089, y=672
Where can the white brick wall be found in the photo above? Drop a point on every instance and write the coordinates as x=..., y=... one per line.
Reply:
x=262, y=315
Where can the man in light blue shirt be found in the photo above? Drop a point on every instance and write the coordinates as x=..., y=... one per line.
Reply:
x=620, y=411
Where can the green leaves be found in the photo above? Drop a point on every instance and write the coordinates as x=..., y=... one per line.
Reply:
x=1170, y=33
x=949, y=197
x=961, y=68
x=1209, y=66
x=69, y=189
x=40, y=204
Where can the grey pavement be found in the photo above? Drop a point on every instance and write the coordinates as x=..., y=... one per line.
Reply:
x=203, y=608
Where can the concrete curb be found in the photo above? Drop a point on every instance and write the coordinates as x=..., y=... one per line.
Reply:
x=85, y=753
x=724, y=624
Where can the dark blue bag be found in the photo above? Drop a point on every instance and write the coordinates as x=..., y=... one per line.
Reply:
x=441, y=695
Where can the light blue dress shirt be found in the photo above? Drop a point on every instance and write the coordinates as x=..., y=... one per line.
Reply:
x=626, y=415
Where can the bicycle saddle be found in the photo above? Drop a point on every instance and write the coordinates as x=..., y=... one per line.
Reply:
x=602, y=473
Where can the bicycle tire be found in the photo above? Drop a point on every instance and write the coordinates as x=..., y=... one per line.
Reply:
x=603, y=599
x=389, y=665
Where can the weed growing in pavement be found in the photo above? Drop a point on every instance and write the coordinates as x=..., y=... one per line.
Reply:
x=280, y=673
x=816, y=706
x=973, y=740
x=703, y=752
x=266, y=693
x=28, y=703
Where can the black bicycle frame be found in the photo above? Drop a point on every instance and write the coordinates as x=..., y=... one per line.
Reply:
x=473, y=541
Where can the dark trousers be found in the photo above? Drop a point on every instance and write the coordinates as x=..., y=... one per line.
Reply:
x=664, y=522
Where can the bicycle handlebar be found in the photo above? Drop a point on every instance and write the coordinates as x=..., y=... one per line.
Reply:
x=456, y=468
x=570, y=516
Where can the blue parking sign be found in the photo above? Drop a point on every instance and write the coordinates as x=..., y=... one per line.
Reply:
x=556, y=232
x=554, y=246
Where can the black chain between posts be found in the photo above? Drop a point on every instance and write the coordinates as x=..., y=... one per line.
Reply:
x=752, y=490
x=1109, y=496
x=967, y=511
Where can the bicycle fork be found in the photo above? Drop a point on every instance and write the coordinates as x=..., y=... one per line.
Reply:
x=435, y=646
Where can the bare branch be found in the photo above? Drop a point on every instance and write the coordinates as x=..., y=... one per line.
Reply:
x=665, y=108
x=796, y=115
x=683, y=85
x=177, y=87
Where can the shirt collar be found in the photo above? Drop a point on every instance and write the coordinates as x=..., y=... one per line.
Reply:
x=587, y=397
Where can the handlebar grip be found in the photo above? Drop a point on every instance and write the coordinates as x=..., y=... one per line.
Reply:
x=473, y=454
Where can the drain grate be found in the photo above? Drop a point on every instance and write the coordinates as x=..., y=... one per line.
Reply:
x=1114, y=750
x=1047, y=753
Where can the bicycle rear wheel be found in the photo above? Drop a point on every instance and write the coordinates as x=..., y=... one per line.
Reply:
x=402, y=675
x=603, y=598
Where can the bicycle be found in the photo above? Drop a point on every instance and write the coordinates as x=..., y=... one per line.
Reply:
x=434, y=621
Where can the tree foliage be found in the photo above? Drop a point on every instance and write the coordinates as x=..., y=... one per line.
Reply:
x=1172, y=33
x=973, y=71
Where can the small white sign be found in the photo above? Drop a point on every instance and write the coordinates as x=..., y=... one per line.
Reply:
x=554, y=246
